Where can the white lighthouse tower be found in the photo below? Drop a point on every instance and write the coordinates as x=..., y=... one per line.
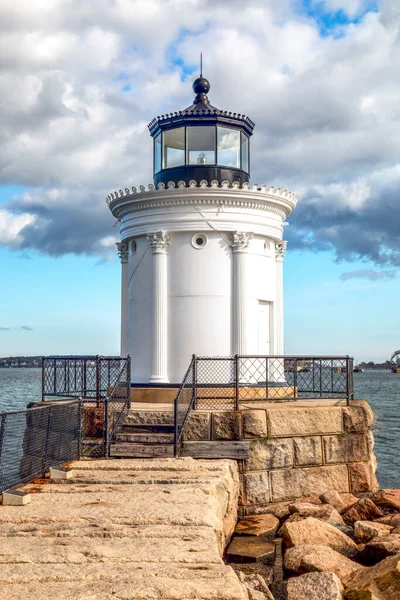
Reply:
x=201, y=249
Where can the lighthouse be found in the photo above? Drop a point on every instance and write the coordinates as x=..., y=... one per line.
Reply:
x=201, y=248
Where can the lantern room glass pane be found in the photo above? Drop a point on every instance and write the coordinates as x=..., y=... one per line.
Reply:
x=173, y=147
x=157, y=153
x=228, y=147
x=245, y=152
x=201, y=145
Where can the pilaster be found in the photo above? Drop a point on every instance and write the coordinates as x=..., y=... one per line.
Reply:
x=280, y=252
x=240, y=243
x=123, y=253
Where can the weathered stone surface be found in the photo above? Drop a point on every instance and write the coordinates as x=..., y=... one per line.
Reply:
x=358, y=417
x=257, y=488
x=305, y=559
x=381, y=582
x=392, y=519
x=333, y=498
x=307, y=451
x=388, y=498
x=269, y=454
x=293, y=483
x=279, y=509
x=365, y=531
x=256, y=586
x=250, y=549
x=265, y=525
x=227, y=425
x=254, y=423
x=304, y=421
x=380, y=548
x=315, y=586
x=345, y=448
x=312, y=531
x=323, y=512
x=363, y=510
x=362, y=477
x=198, y=427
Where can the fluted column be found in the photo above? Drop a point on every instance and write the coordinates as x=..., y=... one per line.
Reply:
x=123, y=253
x=159, y=242
x=240, y=242
x=280, y=251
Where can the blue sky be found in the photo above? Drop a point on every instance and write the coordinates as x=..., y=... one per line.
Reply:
x=73, y=128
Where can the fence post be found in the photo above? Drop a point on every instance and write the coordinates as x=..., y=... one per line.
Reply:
x=128, y=379
x=194, y=378
x=266, y=378
x=98, y=380
x=295, y=391
x=46, y=444
x=106, y=431
x=176, y=426
x=236, y=382
x=43, y=377
x=84, y=378
x=80, y=428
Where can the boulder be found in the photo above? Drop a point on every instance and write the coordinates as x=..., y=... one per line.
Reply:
x=324, y=512
x=363, y=510
x=392, y=519
x=265, y=525
x=256, y=586
x=388, y=499
x=380, y=548
x=305, y=559
x=315, y=586
x=365, y=531
x=381, y=582
x=333, y=498
x=314, y=532
x=250, y=549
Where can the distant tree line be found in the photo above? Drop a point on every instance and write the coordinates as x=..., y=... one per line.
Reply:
x=385, y=365
x=20, y=362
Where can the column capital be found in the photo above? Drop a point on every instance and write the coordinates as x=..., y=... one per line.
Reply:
x=280, y=250
x=123, y=251
x=159, y=241
x=240, y=240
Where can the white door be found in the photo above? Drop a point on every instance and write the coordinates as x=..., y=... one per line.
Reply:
x=263, y=328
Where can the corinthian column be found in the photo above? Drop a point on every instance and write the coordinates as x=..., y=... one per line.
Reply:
x=240, y=242
x=280, y=251
x=123, y=252
x=159, y=242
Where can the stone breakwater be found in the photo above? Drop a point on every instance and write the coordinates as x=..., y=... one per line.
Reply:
x=295, y=448
x=124, y=530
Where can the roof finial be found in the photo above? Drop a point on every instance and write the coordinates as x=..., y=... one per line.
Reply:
x=201, y=64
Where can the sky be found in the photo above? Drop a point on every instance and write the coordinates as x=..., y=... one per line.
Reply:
x=79, y=82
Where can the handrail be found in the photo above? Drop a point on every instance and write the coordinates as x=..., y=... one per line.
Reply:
x=110, y=434
x=182, y=409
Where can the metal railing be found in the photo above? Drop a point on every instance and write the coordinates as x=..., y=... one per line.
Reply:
x=33, y=440
x=229, y=383
x=104, y=385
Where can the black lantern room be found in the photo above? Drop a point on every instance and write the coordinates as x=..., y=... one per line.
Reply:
x=201, y=143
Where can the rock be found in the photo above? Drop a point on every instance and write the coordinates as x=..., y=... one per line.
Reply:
x=380, y=548
x=362, y=476
x=307, y=451
x=250, y=549
x=198, y=426
x=287, y=484
x=254, y=423
x=345, y=448
x=365, y=531
x=265, y=525
x=226, y=426
x=304, y=421
x=304, y=559
x=269, y=454
x=256, y=586
x=358, y=417
x=279, y=509
x=256, y=487
x=388, y=499
x=363, y=510
x=346, y=529
x=392, y=519
x=315, y=532
x=333, y=498
x=381, y=582
x=348, y=500
x=315, y=586
x=323, y=512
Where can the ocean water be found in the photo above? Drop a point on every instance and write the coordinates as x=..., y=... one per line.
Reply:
x=381, y=389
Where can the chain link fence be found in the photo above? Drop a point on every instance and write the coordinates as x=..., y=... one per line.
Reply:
x=33, y=440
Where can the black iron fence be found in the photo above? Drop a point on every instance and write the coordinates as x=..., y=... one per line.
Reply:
x=231, y=383
x=33, y=440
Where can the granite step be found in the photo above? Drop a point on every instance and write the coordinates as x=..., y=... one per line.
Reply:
x=132, y=450
x=145, y=438
x=149, y=417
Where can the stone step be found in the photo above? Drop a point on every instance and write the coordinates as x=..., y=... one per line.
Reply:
x=128, y=450
x=146, y=438
x=146, y=428
x=149, y=417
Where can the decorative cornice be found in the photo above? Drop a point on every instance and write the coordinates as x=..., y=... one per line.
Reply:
x=240, y=240
x=123, y=251
x=280, y=250
x=159, y=241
